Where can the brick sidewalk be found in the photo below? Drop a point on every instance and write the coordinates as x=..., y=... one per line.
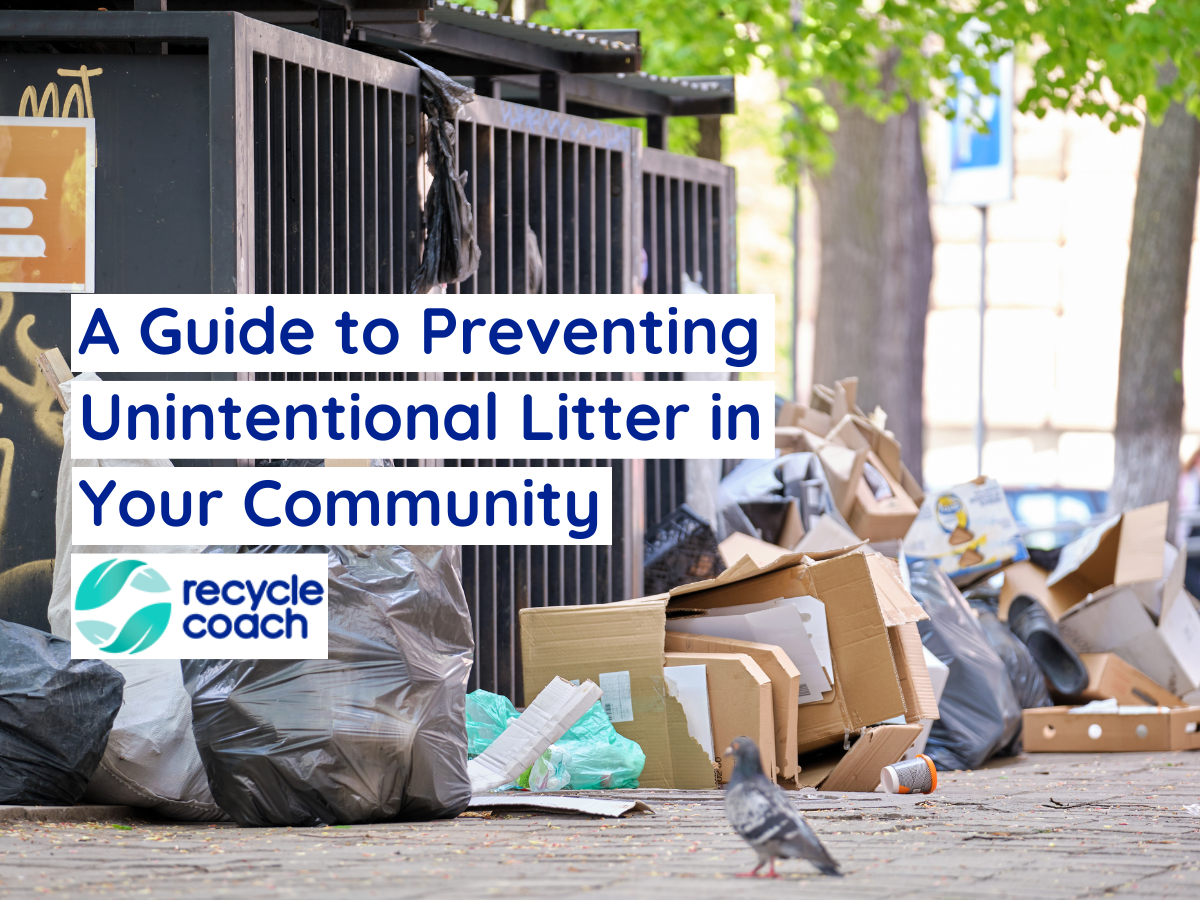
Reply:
x=1045, y=826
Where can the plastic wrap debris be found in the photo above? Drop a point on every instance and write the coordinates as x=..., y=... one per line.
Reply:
x=535, y=268
x=797, y=476
x=450, y=253
x=151, y=759
x=980, y=716
x=549, y=772
x=591, y=752
x=55, y=716
x=373, y=734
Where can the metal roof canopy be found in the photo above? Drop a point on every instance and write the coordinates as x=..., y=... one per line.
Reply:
x=637, y=94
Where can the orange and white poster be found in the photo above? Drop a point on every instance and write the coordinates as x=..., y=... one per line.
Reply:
x=47, y=204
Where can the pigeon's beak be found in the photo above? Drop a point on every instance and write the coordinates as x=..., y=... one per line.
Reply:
x=728, y=751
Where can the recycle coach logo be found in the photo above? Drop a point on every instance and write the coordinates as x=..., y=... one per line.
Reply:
x=118, y=586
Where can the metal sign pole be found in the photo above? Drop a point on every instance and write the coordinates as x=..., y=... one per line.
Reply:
x=979, y=422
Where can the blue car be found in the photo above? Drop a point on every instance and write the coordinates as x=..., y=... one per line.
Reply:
x=1050, y=517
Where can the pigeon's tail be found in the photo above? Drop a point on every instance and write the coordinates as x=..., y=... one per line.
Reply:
x=830, y=868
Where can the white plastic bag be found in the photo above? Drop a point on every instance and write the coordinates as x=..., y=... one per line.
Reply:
x=151, y=760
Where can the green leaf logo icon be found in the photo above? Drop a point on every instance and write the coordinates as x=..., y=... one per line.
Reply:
x=143, y=628
x=104, y=582
x=102, y=585
x=95, y=631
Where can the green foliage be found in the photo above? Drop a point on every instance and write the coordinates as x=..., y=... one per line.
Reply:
x=1103, y=58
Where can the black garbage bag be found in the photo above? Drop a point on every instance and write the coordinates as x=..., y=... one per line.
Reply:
x=375, y=733
x=451, y=253
x=55, y=717
x=980, y=715
x=1028, y=683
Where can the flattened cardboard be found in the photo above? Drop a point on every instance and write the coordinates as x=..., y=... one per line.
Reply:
x=739, y=699
x=1123, y=550
x=1111, y=678
x=581, y=642
x=1056, y=730
x=738, y=545
x=827, y=535
x=531, y=802
x=785, y=687
x=858, y=768
x=1114, y=620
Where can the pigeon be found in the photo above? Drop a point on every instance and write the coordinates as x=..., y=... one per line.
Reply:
x=761, y=813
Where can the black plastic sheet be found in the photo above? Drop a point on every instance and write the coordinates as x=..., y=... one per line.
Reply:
x=451, y=253
x=55, y=717
x=375, y=733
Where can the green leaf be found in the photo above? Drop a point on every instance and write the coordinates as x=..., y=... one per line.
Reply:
x=150, y=581
x=103, y=583
x=96, y=631
x=143, y=628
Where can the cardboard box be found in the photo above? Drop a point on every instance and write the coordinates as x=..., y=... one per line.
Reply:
x=620, y=647
x=739, y=701
x=785, y=688
x=1115, y=620
x=1030, y=579
x=968, y=529
x=1111, y=678
x=879, y=666
x=1124, y=550
x=858, y=768
x=1057, y=730
x=737, y=545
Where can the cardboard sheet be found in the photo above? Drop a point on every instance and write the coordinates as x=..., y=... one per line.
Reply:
x=527, y=801
x=969, y=529
x=785, y=688
x=737, y=545
x=858, y=768
x=775, y=624
x=1110, y=677
x=739, y=698
x=1121, y=551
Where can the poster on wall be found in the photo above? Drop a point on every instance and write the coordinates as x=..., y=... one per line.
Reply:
x=47, y=204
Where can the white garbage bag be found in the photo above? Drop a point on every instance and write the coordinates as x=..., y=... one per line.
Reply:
x=151, y=760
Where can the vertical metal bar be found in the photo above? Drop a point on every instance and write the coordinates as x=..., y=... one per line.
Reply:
x=718, y=211
x=603, y=241
x=262, y=175
x=691, y=233
x=519, y=200
x=552, y=244
x=308, y=190
x=704, y=223
x=355, y=157
x=413, y=203
x=383, y=190
x=325, y=181
x=341, y=186
x=650, y=231
x=399, y=179
x=570, y=218
x=676, y=235
x=277, y=187
x=662, y=212
x=586, y=217
x=370, y=190
x=468, y=164
x=536, y=190
x=502, y=241
x=293, y=171
x=485, y=210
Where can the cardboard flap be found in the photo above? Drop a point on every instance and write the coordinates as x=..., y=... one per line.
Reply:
x=843, y=471
x=1105, y=620
x=845, y=397
x=745, y=568
x=1122, y=550
x=739, y=546
x=880, y=746
x=897, y=604
x=919, y=697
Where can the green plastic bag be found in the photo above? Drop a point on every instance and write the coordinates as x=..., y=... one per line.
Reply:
x=595, y=756
x=488, y=715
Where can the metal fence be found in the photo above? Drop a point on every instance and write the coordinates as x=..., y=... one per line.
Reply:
x=315, y=183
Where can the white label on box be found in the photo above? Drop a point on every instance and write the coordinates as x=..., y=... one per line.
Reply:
x=618, y=696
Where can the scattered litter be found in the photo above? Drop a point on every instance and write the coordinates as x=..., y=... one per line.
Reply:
x=1192, y=809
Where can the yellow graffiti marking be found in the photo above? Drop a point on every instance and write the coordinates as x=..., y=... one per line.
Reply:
x=37, y=394
x=7, y=448
x=80, y=94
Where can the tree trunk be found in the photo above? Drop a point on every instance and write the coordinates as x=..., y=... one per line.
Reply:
x=1150, y=385
x=876, y=269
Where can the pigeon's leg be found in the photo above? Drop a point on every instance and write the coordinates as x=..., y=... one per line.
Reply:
x=753, y=873
x=771, y=872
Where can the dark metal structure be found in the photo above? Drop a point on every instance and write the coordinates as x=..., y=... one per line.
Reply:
x=252, y=158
